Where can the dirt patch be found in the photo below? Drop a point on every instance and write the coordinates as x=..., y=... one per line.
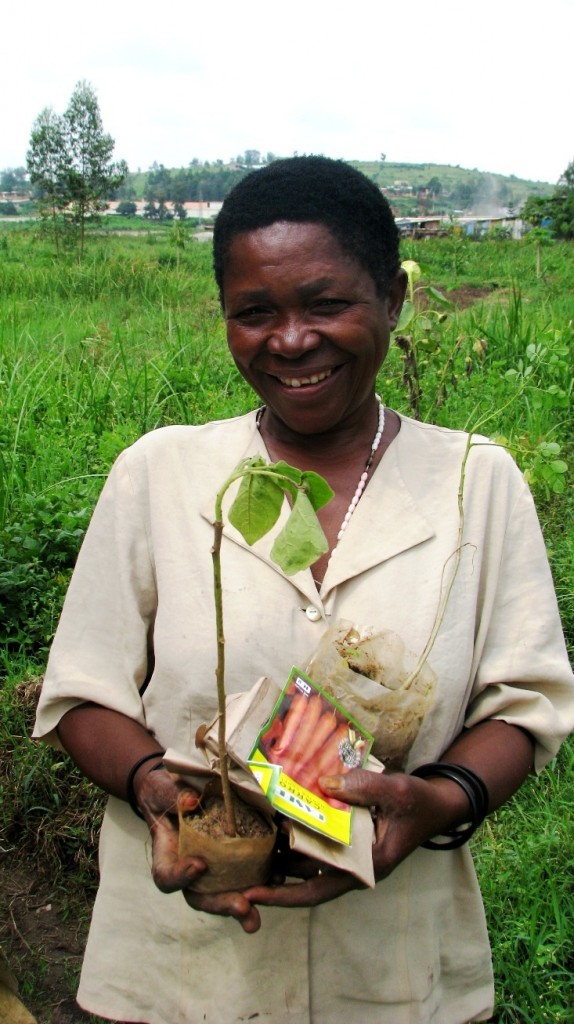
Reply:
x=467, y=295
x=461, y=297
x=48, y=875
x=43, y=928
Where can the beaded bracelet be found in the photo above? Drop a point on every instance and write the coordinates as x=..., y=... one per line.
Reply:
x=476, y=793
x=130, y=794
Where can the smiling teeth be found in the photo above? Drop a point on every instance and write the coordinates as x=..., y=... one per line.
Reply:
x=298, y=382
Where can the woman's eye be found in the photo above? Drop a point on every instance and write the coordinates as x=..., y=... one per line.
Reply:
x=330, y=305
x=249, y=312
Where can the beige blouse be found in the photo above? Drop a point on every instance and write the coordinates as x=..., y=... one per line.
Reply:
x=414, y=949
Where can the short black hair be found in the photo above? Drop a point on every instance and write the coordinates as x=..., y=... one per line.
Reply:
x=318, y=190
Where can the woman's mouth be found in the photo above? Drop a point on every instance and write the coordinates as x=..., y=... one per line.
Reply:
x=300, y=382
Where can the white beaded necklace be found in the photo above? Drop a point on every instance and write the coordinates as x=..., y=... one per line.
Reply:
x=364, y=475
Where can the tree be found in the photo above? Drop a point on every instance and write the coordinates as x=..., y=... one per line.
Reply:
x=13, y=179
x=46, y=160
x=252, y=158
x=158, y=184
x=557, y=210
x=126, y=190
x=561, y=205
x=150, y=211
x=434, y=186
x=70, y=161
x=126, y=208
x=91, y=175
x=179, y=210
x=535, y=210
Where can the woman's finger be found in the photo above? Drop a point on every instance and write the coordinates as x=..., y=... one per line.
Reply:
x=170, y=871
x=355, y=787
x=320, y=889
x=227, y=904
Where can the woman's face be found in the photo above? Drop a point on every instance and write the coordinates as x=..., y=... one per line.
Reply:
x=305, y=325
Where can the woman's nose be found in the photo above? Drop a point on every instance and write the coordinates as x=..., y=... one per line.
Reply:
x=292, y=337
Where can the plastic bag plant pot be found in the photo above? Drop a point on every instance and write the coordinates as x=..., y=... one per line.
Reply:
x=377, y=679
x=233, y=862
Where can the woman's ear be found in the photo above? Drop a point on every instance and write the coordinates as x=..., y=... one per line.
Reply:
x=396, y=297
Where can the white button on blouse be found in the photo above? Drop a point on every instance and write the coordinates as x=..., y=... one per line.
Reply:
x=313, y=613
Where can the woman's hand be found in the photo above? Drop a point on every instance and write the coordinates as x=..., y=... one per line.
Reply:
x=157, y=795
x=406, y=812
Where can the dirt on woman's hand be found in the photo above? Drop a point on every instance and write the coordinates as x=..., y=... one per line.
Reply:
x=157, y=797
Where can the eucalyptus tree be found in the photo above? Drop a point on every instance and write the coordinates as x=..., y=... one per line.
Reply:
x=70, y=161
x=91, y=174
x=46, y=161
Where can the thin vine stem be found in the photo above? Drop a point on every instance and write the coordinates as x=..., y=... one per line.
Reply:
x=471, y=442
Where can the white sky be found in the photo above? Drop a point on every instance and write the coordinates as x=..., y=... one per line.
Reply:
x=484, y=85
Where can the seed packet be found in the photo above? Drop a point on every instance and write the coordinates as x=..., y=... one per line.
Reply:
x=309, y=735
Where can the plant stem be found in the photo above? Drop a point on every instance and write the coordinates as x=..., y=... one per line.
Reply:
x=457, y=557
x=288, y=485
x=471, y=442
x=230, y=826
x=230, y=823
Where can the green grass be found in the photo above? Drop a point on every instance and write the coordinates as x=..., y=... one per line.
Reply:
x=525, y=862
x=93, y=355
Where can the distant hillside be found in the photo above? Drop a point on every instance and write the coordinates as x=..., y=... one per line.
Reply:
x=411, y=188
x=442, y=188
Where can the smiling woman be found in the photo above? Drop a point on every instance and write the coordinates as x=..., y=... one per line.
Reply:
x=306, y=259
x=307, y=329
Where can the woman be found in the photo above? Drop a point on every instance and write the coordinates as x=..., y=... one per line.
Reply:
x=306, y=259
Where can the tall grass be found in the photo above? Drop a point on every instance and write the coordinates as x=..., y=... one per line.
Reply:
x=93, y=355
x=101, y=352
x=525, y=861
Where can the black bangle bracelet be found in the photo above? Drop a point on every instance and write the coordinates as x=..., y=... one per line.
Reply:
x=476, y=793
x=130, y=794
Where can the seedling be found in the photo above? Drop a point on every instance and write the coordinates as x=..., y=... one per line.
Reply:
x=301, y=542
x=426, y=335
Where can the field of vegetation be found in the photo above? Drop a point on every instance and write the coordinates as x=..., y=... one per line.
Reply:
x=92, y=355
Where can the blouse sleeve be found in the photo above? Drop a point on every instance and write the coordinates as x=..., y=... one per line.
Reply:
x=100, y=651
x=523, y=675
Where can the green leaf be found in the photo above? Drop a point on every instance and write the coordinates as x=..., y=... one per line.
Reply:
x=438, y=296
x=559, y=466
x=406, y=315
x=549, y=448
x=283, y=469
x=256, y=507
x=425, y=268
x=412, y=269
x=301, y=540
x=316, y=488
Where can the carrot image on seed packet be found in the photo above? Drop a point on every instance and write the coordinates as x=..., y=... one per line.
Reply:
x=309, y=736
